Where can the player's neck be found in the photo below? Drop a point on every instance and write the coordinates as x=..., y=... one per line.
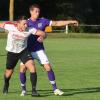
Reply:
x=33, y=19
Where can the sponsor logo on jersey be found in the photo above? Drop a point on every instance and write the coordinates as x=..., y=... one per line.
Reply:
x=17, y=37
x=39, y=25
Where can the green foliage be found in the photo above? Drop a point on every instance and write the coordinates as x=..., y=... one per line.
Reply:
x=86, y=11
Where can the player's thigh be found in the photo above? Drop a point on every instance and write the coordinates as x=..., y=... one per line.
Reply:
x=25, y=56
x=30, y=65
x=11, y=60
x=27, y=60
x=41, y=57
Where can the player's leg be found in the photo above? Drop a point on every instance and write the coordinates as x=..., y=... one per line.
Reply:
x=7, y=76
x=51, y=77
x=27, y=60
x=11, y=62
x=22, y=77
x=33, y=76
x=41, y=56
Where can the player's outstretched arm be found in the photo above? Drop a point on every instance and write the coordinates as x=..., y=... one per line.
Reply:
x=64, y=23
x=2, y=26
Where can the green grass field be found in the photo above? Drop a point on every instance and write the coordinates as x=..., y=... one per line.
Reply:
x=76, y=63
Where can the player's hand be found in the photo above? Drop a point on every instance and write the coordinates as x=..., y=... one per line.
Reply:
x=40, y=39
x=2, y=25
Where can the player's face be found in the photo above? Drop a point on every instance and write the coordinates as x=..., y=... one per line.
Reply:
x=22, y=25
x=35, y=13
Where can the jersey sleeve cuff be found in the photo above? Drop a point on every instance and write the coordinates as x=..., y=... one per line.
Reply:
x=50, y=24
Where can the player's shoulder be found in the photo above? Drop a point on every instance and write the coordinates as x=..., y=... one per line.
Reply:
x=29, y=21
x=43, y=18
x=8, y=23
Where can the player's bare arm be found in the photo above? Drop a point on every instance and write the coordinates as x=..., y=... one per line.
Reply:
x=40, y=33
x=2, y=26
x=63, y=23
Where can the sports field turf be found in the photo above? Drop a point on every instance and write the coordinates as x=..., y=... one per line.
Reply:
x=76, y=63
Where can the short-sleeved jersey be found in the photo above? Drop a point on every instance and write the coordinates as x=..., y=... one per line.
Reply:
x=41, y=23
x=16, y=40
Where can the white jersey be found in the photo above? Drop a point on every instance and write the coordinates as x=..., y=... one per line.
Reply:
x=16, y=40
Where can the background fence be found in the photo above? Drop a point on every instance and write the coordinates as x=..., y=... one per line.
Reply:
x=83, y=30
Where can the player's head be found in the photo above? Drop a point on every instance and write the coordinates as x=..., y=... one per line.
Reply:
x=22, y=23
x=34, y=11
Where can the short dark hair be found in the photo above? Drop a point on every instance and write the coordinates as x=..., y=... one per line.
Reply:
x=21, y=18
x=34, y=6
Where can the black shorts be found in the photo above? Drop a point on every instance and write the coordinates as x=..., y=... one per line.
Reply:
x=12, y=58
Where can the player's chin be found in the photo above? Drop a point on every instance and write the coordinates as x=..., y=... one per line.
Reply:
x=24, y=29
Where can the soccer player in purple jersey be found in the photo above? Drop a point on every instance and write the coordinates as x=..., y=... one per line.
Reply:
x=35, y=45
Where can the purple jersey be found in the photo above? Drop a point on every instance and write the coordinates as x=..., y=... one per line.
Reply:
x=33, y=44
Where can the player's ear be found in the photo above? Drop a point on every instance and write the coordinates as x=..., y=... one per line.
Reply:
x=30, y=11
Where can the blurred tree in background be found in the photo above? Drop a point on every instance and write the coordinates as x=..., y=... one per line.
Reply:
x=86, y=11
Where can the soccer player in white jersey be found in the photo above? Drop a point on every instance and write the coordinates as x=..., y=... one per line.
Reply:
x=16, y=50
x=37, y=49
